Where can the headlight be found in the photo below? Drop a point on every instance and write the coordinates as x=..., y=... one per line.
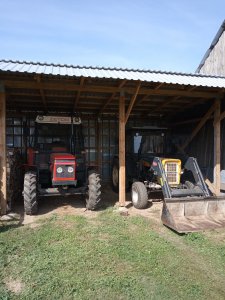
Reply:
x=70, y=169
x=59, y=170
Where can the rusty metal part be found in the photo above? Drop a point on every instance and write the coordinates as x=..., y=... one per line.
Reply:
x=194, y=214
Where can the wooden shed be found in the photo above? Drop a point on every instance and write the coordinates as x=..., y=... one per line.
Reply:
x=213, y=62
x=108, y=100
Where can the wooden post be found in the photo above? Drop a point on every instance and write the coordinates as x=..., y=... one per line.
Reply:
x=3, y=200
x=122, y=171
x=217, y=147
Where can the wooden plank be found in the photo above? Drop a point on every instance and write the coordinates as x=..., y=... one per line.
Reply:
x=217, y=145
x=78, y=94
x=185, y=122
x=159, y=85
x=61, y=86
x=42, y=93
x=158, y=107
x=199, y=126
x=111, y=97
x=210, y=186
x=132, y=102
x=122, y=171
x=3, y=188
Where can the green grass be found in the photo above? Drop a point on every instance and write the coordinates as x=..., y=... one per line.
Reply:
x=109, y=257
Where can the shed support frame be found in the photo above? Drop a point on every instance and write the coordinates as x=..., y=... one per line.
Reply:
x=217, y=146
x=3, y=189
x=122, y=169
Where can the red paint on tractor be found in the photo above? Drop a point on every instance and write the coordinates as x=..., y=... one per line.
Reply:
x=30, y=156
x=62, y=160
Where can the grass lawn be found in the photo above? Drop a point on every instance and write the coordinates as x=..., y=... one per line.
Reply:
x=109, y=257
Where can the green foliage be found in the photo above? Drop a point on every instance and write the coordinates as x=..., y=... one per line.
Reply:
x=108, y=257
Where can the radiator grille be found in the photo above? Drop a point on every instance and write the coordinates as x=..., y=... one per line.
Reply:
x=172, y=174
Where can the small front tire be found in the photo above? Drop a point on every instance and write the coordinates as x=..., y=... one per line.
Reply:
x=139, y=195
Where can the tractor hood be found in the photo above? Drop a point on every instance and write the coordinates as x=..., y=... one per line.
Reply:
x=62, y=156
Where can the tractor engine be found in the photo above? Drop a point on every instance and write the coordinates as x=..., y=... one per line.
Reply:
x=172, y=168
x=63, y=169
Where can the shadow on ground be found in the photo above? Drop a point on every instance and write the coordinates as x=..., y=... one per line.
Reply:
x=75, y=205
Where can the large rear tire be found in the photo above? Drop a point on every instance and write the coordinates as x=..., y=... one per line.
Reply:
x=16, y=178
x=139, y=195
x=30, y=193
x=115, y=177
x=94, y=191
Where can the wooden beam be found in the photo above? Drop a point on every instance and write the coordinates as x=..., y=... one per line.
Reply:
x=217, y=146
x=165, y=104
x=112, y=97
x=78, y=94
x=159, y=86
x=3, y=186
x=42, y=92
x=185, y=122
x=199, y=126
x=122, y=171
x=132, y=102
x=210, y=186
x=169, y=101
x=61, y=86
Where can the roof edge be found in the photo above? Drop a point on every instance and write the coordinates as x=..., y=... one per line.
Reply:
x=213, y=44
x=107, y=68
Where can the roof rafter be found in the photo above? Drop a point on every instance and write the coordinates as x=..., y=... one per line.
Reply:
x=123, y=82
x=59, y=85
x=78, y=94
x=38, y=78
x=132, y=102
x=169, y=101
x=146, y=96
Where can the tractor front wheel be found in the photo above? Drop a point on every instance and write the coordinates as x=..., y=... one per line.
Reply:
x=30, y=193
x=139, y=195
x=94, y=191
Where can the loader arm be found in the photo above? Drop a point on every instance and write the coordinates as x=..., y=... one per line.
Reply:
x=191, y=165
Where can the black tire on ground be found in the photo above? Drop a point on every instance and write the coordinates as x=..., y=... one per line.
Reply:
x=115, y=177
x=94, y=190
x=30, y=193
x=16, y=178
x=139, y=195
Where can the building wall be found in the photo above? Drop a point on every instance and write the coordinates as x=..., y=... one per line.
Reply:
x=215, y=62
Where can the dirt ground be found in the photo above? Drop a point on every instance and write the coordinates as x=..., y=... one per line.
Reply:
x=76, y=206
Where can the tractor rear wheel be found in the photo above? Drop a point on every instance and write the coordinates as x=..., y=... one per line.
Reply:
x=30, y=193
x=94, y=191
x=115, y=177
x=139, y=195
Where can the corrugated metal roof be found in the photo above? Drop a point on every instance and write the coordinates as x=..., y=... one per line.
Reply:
x=112, y=73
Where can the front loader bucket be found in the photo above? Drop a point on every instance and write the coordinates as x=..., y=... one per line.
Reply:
x=193, y=214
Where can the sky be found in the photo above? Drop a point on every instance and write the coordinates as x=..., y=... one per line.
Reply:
x=170, y=35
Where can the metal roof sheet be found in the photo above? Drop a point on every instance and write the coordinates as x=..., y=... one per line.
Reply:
x=112, y=73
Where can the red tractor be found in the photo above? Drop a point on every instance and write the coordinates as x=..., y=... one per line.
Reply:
x=56, y=163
